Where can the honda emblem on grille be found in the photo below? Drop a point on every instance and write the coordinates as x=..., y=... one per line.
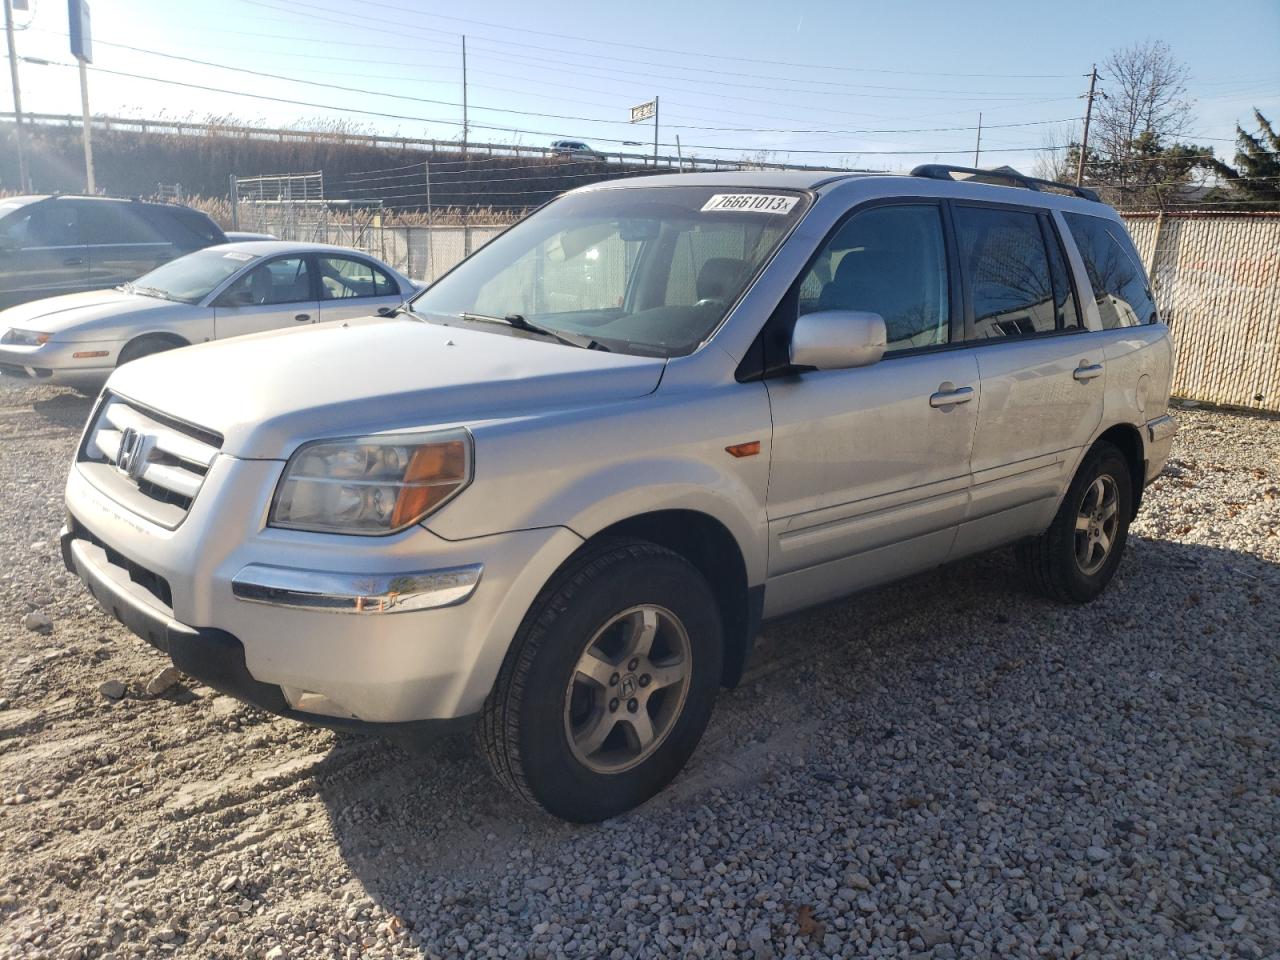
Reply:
x=131, y=459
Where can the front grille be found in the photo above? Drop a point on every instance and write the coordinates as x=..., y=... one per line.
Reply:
x=148, y=462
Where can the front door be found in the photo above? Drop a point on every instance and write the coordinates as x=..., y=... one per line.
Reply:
x=272, y=295
x=40, y=253
x=870, y=466
x=1042, y=373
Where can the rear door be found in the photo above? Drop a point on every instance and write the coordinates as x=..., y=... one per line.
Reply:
x=353, y=287
x=40, y=253
x=869, y=472
x=276, y=293
x=121, y=244
x=1042, y=372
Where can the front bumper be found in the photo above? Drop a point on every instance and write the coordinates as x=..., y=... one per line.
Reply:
x=386, y=663
x=212, y=656
x=86, y=364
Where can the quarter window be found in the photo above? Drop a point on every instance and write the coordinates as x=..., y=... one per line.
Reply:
x=1007, y=266
x=888, y=260
x=1119, y=283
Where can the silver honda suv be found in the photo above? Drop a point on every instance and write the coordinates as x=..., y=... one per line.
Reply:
x=554, y=496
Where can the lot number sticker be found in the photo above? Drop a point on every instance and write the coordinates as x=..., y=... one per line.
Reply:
x=752, y=202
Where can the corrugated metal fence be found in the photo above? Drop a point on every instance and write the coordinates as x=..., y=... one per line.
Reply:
x=1216, y=278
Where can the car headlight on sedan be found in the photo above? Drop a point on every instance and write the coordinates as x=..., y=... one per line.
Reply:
x=24, y=338
x=373, y=485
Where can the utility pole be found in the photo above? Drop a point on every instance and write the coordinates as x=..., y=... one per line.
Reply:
x=1088, y=115
x=977, y=147
x=24, y=182
x=655, y=131
x=464, y=96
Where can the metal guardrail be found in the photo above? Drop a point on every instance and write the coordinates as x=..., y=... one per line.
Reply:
x=185, y=128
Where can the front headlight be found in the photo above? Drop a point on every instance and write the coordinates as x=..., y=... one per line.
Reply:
x=371, y=485
x=24, y=338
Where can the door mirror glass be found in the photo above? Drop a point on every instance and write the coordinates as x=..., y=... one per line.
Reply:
x=837, y=339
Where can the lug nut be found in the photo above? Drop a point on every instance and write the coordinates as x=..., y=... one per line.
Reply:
x=613, y=681
x=633, y=664
x=613, y=704
x=633, y=705
x=644, y=679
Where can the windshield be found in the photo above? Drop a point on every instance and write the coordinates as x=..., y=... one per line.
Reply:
x=191, y=278
x=646, y=270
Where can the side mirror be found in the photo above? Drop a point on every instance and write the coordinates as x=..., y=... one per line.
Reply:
x=837, y=339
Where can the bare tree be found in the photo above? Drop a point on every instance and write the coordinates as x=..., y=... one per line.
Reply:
x=1055, y=160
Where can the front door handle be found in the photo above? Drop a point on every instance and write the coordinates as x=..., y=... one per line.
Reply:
x=73, y=262
x=1087, y=371
x=945, y=398
x=302, y=317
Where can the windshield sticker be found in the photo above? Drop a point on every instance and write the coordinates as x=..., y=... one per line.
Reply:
x=752, y=202
x=237, y=256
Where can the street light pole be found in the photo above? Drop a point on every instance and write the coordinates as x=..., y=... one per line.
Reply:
x=24, y=181
x=88, y=146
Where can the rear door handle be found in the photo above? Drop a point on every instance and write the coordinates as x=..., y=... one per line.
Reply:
x=73, y=262
x=1087, y=371
x=945, y=398
x=302, y=317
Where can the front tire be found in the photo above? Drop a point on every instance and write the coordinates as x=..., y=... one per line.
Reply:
x=145, y=347
x=609, y=684
x=1075, y=559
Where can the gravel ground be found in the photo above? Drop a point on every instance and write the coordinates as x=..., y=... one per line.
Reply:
x=942, y=768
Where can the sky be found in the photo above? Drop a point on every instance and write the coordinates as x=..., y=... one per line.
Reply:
x=848, y=84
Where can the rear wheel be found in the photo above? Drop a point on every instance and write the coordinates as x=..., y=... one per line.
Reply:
x=1077, y=556
x=609, y=684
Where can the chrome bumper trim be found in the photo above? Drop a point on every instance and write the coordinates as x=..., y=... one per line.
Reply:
x=322, y=591
x=1161, y=428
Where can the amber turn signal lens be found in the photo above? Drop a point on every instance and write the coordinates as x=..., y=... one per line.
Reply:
x=749, y=449
x=434, y=472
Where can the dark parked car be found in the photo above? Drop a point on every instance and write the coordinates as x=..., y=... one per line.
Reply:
x=53, y=245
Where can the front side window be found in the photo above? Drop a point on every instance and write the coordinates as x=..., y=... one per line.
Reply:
x=283, y=280
x=1119, y=283
x=53, y=223
x=647, y=270
x=343, y=278
x=889, y=260
x=1004, y=257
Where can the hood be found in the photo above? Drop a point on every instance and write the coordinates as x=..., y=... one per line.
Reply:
x=269, y=392
x=81, y=316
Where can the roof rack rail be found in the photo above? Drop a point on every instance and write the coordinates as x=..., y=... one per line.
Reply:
x=1004, y=176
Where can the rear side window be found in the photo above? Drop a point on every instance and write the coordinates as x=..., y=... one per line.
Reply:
x=108, y=223
x=1010, y=282
x=342, y=278
x=888, y=260
x=1119, y=283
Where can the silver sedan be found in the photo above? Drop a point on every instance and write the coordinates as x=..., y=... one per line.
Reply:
x=214, y=293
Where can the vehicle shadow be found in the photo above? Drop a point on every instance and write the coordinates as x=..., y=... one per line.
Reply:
x=64, y=409
x=401, y=818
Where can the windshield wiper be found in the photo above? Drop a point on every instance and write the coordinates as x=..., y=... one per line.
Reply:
x=153, y=292
x=126, y=287
x=520, y=322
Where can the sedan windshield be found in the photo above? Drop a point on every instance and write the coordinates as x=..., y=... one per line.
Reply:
x=191, y=278
x=645, y=270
